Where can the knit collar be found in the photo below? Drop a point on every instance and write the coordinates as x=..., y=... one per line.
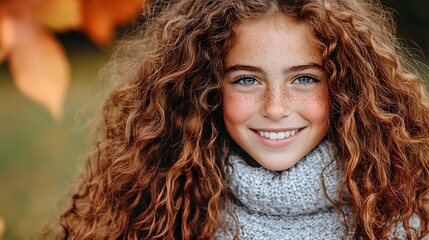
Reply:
x=295, y=191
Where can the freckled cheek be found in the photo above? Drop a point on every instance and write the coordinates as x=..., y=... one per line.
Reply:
x=237, y=109
x=315, y=108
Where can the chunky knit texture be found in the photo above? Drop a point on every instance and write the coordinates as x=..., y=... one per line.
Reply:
x=288, y=204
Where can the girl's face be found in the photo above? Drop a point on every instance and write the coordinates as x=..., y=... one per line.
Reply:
x=275, y=101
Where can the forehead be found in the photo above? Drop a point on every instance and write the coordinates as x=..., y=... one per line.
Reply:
x=274, y=33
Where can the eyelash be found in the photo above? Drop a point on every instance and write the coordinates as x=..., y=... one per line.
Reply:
x=242, y=78
x=295, y=81
x=312, y=79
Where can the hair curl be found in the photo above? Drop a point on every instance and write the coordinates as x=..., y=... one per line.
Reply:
x=158, y=171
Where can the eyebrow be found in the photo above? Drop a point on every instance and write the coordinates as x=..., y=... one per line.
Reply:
x=296, y=68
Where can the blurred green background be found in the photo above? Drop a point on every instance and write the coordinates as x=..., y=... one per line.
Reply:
x=38, y=156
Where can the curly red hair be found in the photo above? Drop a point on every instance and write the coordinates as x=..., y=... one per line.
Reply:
x=158, y=171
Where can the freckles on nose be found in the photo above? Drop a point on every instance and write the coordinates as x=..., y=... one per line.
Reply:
x=276, y=97
x=276, y=103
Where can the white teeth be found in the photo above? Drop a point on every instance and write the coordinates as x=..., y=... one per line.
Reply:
x=277, y=135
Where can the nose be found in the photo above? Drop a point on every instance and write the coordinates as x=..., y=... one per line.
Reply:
x=276, y=103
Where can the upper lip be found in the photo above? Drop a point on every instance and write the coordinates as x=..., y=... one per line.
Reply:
x=276, y=129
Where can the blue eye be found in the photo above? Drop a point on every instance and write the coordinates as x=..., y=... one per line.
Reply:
x=247, y=81
x=304, y=80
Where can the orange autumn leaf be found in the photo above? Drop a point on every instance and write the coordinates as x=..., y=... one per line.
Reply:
x=37, y=61
x=101, y=17
x=22, y=8
x=39, y=67
x=60, y=15
x=7, y=36
x=2, y=227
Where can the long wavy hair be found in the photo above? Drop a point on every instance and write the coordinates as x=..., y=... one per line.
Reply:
x=158, y=170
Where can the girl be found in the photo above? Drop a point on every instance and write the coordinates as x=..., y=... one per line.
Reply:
x=259, y=119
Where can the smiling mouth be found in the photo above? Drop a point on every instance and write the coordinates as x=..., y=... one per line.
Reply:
x=277, y=135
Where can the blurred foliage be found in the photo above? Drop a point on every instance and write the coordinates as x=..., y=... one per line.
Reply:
x=37, y=62
x=412, y=18
x=39, y=156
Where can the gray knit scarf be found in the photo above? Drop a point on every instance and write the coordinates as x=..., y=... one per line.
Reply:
x=288, y=204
